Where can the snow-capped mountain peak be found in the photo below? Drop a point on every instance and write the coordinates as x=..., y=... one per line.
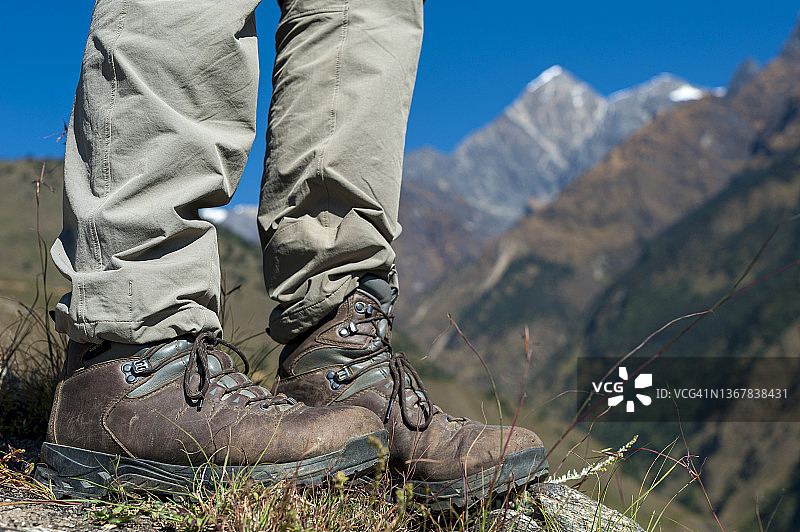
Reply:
x=544, y=78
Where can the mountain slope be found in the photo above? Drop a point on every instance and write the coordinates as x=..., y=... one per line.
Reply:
x=687, y=269
x=660, y=228
x=548, y=270
x=557, y=128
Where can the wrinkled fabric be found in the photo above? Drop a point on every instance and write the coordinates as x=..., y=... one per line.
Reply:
x=163, y=121
x=343, y=79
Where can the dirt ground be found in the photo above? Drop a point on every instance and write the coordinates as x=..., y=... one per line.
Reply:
x=18, y=511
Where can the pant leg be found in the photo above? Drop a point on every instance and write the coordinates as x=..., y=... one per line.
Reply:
x=342, y=85
x=163, y=120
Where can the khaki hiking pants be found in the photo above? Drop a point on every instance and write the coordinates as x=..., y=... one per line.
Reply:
x=162, y=124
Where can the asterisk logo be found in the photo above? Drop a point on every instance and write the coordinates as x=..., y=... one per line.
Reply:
x=643, y=380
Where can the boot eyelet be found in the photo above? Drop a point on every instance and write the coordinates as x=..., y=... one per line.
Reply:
x=332, y=379
x=344, y=332
x=128, y=369
x=360, y=306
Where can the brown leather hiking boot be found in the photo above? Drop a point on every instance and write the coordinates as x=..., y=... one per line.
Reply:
x=169, y=416
x=348, y=360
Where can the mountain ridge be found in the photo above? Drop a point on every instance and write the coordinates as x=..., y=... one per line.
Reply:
x=596, y=229
x=552, y=120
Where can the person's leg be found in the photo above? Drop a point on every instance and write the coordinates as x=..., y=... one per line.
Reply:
x=163, y=120
x=343, y=78
x=162, y=123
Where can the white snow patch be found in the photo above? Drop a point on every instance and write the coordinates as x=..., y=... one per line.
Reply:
x=685, y=93
x=545, y=77
x=215, y=215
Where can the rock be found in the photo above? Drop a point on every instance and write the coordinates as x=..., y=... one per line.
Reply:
x=557, y=507
x=512, y=520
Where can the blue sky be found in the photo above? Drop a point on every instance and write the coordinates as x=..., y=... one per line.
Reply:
x=477, y=56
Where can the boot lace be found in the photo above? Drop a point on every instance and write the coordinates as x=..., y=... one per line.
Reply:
x=404, y=377
x=205, y=344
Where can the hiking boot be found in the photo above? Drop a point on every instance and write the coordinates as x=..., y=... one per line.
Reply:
x=348, y=360
x=170, y=416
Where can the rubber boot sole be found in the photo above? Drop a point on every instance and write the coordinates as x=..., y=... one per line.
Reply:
x=517, y=470
x=80, y=473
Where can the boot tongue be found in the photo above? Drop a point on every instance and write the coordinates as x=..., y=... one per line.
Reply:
x=380, y=290
x=384, y=293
